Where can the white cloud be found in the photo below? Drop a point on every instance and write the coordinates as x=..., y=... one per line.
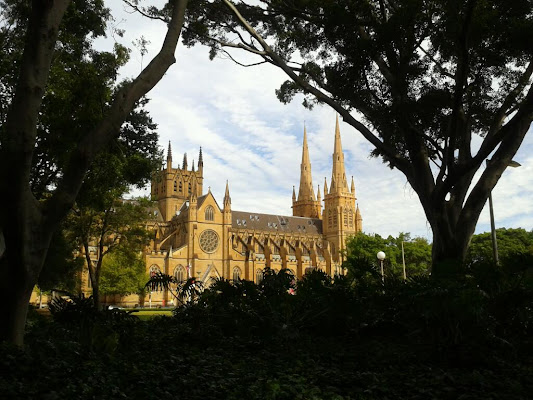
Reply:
x=249, y=138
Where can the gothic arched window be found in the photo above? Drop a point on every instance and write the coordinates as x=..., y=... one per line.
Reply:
x=175, y=186
x=209, y=214
x=345, y=217
x=189, y=188
x=179, y=273
x=236, y=273
x=181, y=187
x=154, y=270
x=258, y=276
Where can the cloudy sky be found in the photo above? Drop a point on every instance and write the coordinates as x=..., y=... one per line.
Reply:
x=252, y=140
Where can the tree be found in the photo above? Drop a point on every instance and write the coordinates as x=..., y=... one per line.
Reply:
x=123, y=272
x=436, y=86
x=61, y=269
x=417, y=252
x=27, y=224
x=108, y=226
x=510, y=242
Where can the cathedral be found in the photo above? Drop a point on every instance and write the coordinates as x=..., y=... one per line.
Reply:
x=194, y=235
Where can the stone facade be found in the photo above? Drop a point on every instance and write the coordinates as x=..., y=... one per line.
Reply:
x=194, y=235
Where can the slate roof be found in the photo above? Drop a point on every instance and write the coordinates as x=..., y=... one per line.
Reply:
x=275, y=223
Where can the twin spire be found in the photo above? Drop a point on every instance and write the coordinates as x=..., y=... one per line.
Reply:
x=306, y=204
x=185, y=163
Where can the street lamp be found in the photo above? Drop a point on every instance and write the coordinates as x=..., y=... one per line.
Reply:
x=381, y=256
x=512, y=164
x=403, y=263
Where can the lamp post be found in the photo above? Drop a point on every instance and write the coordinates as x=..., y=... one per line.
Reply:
x=512, y=164
x=381, y=256
x=403, y=264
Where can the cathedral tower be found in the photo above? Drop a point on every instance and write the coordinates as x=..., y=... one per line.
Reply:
x=171, y=187
x=306, y=205
x=341, y=218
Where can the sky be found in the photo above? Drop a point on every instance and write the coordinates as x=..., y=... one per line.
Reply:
x=254, y=142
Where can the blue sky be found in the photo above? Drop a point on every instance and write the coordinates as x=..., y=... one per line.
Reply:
x=252, y=140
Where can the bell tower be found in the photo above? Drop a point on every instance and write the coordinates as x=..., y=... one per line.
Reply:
x=171, y=187
x=341, y=217
x=306, y=205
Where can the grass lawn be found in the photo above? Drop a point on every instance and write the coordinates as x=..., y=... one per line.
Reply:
x=146, y=314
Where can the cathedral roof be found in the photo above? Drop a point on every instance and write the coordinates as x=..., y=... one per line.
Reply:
x=275, y=223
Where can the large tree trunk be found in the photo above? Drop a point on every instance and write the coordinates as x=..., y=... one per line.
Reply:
x=20, y=266
x=26, y=225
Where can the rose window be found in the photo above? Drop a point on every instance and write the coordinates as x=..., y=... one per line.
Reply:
x=209, y=241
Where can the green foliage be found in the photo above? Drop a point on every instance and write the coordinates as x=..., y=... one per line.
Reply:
x=510, y=243
x=332, y=339
x=186, y=292
x=81, y=85
x=417, y=254
x=61, y=269
x=101, y=331
x=123, y=272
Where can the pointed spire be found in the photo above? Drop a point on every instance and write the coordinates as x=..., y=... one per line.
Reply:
x=293, y=195
x=227, y=199
x=318, y=198
x=338, y=161
x=200, y=160
x=353, y=187
x=169, y=156
x=169, y=151
x=193, y=165
x=325, y=188
x=184, y=167
x=333, y=187
x=305, y=191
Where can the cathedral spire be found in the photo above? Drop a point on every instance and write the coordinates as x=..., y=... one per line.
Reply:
x=200, y=161
x=169, y=156
x=306, y=192
x=325, y=188
x=227, y=199
x=184, y=162
x=353, y=187
x=193, y=165
x=318, y=194
x=293, y=195
x=338, y=162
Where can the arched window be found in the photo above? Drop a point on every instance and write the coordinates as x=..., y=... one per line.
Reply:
x=345, y=217
x=189, y=188
x=259, y=276
x=175, y=186
x=181, y=187
x=154, y=270
x=209, y=214
x=350, y=218
x=330, y=218
x=179, y=273
x=236, y=273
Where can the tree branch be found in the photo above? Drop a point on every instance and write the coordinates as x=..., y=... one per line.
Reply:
x=80, y=160
x=389, y=152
